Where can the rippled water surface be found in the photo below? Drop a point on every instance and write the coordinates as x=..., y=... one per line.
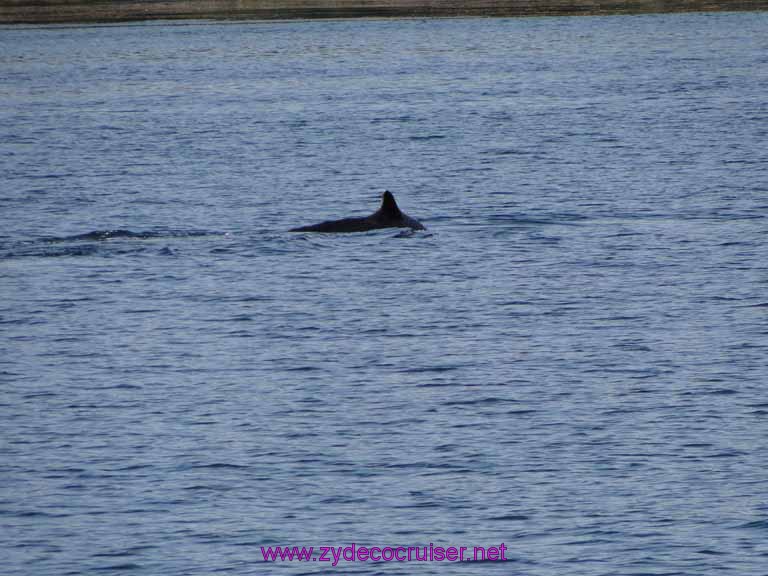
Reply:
x=571, y=361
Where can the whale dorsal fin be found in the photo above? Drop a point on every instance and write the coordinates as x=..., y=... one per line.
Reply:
x=389, y=207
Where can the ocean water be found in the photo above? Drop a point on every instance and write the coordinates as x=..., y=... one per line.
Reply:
x=571, y=361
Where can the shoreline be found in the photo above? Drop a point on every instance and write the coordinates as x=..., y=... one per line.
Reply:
x=104, y=11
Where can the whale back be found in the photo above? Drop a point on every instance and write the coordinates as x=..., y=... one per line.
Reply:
x=388, y=215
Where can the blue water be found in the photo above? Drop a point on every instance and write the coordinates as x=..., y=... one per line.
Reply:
x=571, y=361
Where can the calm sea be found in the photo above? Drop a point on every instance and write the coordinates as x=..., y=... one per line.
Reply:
x=572, y=361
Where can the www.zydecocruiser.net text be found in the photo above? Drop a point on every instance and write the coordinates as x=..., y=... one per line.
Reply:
x=357, y=553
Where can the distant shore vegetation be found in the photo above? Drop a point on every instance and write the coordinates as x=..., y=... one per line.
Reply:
x=99, y=11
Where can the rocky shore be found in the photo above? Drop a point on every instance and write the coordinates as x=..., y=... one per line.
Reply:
x=93, y=11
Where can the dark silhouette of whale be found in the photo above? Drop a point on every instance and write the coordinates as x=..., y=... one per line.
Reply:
x=388, y=216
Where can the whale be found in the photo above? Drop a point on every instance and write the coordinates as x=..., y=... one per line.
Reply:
x=388, y=215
